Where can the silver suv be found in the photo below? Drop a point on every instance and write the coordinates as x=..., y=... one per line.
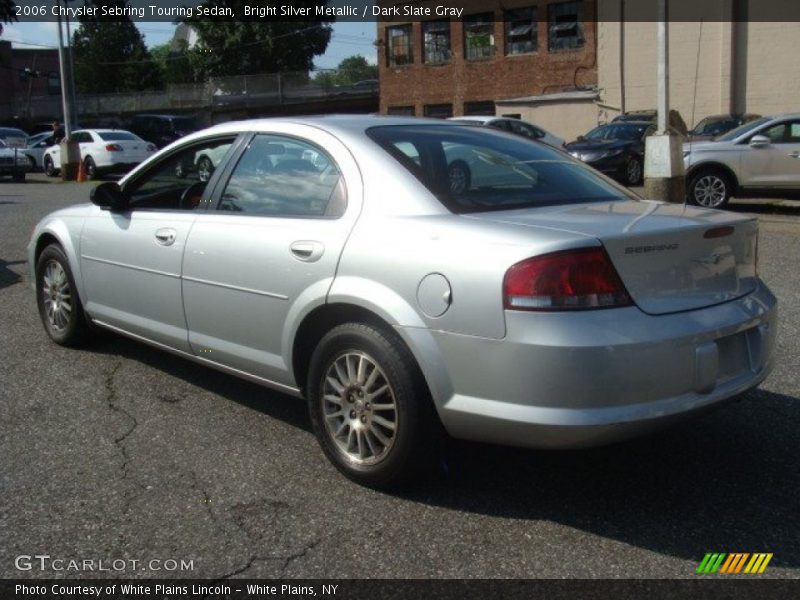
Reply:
x=760, y=157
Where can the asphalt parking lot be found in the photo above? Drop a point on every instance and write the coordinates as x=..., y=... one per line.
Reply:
x=119, y=451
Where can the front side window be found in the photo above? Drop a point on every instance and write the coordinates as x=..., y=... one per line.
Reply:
x=565, y=25
x=784, y=133
x=479, y=36
x=177, y=181
x=398, y=45
x=521, y=35
x=284, y=177
x=477, y=169
x=436, y=42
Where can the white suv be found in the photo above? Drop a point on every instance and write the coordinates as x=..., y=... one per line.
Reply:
x=759, y=157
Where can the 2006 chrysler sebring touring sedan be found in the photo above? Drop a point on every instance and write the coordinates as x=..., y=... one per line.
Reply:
x=413, y=277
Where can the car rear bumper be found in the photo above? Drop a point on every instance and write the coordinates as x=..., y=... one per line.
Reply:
x=560, y=380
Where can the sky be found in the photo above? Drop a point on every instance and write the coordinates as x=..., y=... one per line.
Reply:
x=348, y=38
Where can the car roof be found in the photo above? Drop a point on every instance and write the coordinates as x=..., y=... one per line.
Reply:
x=351, y=124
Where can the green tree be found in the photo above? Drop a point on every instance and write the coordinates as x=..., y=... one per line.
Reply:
x=264, y=46
x=356, y=68
x=177, y=63
x=110, y=56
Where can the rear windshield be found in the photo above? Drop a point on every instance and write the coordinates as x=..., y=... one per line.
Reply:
x=117, y=136
x=477, y=169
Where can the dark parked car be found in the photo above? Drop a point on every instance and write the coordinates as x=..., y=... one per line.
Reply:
x=637, y=115
x=616, y=149
x=715, y=125
x=162, y=130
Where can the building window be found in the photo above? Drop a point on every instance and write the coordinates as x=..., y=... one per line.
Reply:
x=439, y=111
x=521, y=34
x=436, y=42
x=566, y=25
x=398, y=44
x=482, y=108
x=404, y=111
x=513, y=115
x=53, y=84
x=479, y=36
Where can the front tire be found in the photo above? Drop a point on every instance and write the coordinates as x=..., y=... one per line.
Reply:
x=57, y=298
x=633, y=171
x=459, y=176
x=370, y=407
x=710, y=189
x=49, y=168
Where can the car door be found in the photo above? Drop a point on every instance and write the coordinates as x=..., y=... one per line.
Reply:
x=131, y=260
x=267, y=253
x=776, y=165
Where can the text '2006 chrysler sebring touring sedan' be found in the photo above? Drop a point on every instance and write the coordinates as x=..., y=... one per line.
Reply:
x=412, y=277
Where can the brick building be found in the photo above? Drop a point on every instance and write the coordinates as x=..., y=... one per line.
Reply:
x=498, y=58
x=30, y=84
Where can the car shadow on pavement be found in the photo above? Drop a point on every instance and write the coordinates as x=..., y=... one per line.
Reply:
x=723, y=482
x=776, y=208
x=7, y=276
x=269, y=402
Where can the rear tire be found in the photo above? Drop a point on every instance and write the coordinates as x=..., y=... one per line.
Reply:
x=57, y=297
x=91, y=168
x=709, y=188
x=370, y=407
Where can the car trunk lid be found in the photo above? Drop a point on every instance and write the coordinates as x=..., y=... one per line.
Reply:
x=670, y=257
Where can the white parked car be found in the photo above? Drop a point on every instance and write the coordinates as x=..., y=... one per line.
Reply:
x=36, y=146
x=761, y=157
x=516, y=126
x=102, y=151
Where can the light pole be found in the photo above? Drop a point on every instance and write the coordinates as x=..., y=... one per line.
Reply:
x=663, y=164
x=70, y=151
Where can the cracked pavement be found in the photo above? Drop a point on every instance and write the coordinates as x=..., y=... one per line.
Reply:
x=118, y=450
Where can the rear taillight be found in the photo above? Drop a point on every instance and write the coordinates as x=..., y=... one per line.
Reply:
x=569, y=280
x=113, y=147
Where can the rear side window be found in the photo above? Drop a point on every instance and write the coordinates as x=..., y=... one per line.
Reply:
x=477, y=169
x=284, y=177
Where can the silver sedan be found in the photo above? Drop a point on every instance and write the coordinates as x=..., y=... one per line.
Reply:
x=538, y=304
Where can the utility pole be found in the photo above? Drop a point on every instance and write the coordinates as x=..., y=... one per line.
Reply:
x=69, y=151
x=664, y=177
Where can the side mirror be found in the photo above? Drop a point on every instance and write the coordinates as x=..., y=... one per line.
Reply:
x=581, y=138
x=759, y=141
x=109, y=196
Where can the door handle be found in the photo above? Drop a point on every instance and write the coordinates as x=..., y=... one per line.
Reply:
x=307, y=251
x=166, y=236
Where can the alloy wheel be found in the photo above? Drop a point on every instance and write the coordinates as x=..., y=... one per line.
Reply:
x=57, y=296
x=359, y=408
x=710, y=191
